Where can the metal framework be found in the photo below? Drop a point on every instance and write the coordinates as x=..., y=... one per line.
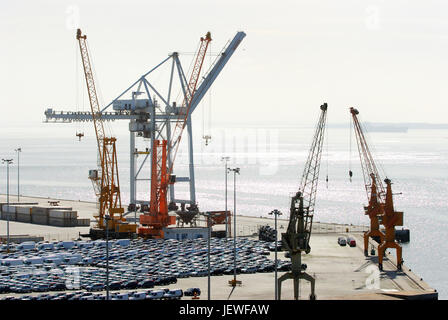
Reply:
x=380, y=208
x=296, y=238
x=105, y=179
x=152, y=113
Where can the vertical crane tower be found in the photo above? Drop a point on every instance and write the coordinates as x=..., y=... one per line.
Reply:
x=105, y=179
x=380, y=208
x=158, y=218
x=297, y=237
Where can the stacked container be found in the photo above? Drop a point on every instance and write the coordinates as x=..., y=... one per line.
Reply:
x=62, y=218
x=23, y=213
x=9, y=212
x=40, y=215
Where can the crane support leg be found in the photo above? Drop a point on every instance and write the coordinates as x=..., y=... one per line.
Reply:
x=296, y=274
x=382, y=249
x=296, y=278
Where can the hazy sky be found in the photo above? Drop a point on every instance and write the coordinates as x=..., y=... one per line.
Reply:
x=388, y=58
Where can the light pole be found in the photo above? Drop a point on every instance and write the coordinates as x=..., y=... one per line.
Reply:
x=276, y=213
x=18, y=150
x=8, y=162
x=226, y=159
x=234, y=282
x=107, y=217
x=208, y=255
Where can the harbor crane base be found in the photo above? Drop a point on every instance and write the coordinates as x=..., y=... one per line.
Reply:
x=296, y=274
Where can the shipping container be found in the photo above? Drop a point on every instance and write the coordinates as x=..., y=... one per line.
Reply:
x=9, y=216
x=58, y=222
x=8, y=208
x=63, y=214
x=23, y=209
x=83, y=222
x=20, y=217
x=39, y=219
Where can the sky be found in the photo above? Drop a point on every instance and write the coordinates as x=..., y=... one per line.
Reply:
x=386, y=58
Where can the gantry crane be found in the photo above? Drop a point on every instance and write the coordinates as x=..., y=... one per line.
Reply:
x=151, y=112
x=105, y=178
x=157, y=218
x=297, y=237
x=380, y=208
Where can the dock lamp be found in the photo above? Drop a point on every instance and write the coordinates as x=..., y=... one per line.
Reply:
x=18, y=150
x=8, y=162
x=234, y=282
x=209, y=235
x=107, y=217
x=226, y=172
x=276, y=213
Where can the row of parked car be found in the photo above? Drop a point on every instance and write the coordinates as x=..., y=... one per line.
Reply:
x=159, y=294
x=343, y=241
x=137, y=264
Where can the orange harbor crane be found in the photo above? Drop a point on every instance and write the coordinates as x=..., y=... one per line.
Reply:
x=380, y=208
x=105, y=178
x=158, y=218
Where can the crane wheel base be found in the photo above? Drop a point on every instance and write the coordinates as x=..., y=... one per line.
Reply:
x=366, y=253
x=380, y=266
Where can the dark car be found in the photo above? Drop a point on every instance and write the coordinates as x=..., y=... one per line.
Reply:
x=115, y=285
x=191, y=292
x=147, y=284
x=57, y=287
x=130, y=284
x=4, y=289
x=342, y=241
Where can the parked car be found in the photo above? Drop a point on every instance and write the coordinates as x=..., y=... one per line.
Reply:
x=173, y=294
x=351, y=242
x=138, y=296
x=342, y=241
x=191, y=291
x=155, y=294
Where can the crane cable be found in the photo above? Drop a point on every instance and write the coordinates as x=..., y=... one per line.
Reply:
x=206, y=110
x=350, y=173
x=326, y=179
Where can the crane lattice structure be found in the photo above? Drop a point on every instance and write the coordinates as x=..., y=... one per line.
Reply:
x=153, y=115
x=105, y=179
x=297, y=237
x=380, y=208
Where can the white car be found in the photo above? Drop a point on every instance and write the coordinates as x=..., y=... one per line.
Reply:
x=156, y=294
x=138, y=296
x=173, y=294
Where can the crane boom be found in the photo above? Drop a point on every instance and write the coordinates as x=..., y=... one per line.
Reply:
x=93, y=98
x=189, y=93
x=370, y=172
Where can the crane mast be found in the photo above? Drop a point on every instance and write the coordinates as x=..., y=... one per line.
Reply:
x=105, y=179
x=158, y=218
x=380, y=207
x=296, y=238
